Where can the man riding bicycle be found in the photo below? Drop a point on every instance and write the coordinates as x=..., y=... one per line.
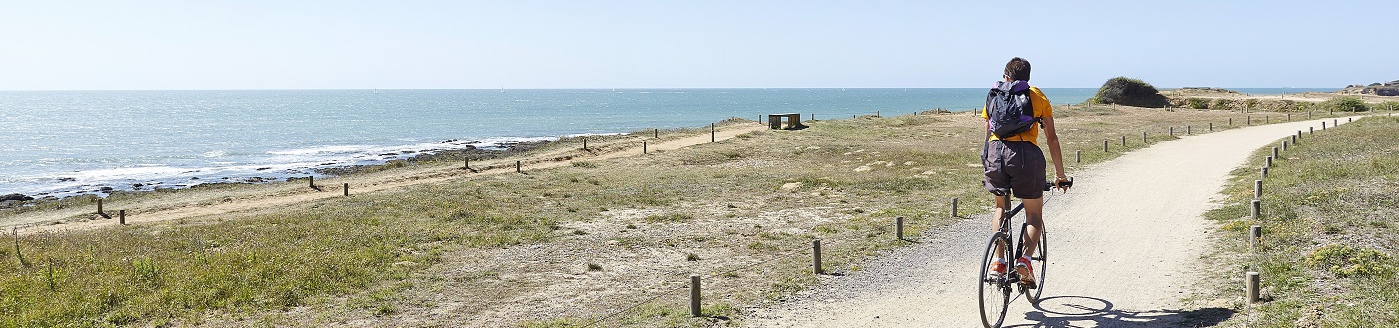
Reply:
x=1014, y=162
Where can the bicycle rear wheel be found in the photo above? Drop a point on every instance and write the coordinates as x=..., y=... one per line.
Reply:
x=994, y=289
x=1040, y=263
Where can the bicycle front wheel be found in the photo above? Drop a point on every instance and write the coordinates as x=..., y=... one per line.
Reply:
x=994, y=288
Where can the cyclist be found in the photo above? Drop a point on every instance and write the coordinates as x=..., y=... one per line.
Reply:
x=1016, y=163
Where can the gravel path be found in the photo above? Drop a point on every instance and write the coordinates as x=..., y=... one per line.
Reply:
x=1122, y=244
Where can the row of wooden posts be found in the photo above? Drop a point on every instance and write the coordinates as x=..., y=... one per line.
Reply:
x=695, y=299
x=816, y=268
x=1078, y=155
x=1255, y=232
x=519, y=168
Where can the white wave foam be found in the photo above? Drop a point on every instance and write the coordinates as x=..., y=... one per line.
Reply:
x=323, y=150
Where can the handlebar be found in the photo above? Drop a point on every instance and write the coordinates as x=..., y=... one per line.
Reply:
x=1049, y=185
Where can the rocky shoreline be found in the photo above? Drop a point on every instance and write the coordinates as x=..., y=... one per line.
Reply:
x=14, y=200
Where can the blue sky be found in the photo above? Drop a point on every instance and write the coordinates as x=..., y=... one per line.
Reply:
x=142, y=45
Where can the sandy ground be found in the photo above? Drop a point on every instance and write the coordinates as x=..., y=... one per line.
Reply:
x=195, y=203
x=1122, y=246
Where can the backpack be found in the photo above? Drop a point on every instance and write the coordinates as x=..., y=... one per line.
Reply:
x=1008, y=109
x=1008, y=112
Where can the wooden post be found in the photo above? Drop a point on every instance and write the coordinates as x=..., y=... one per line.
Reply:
x=347, y=189
x=656, y=133
x=1294, y=138
x=518, y=169
x=99, y=206
x=643, y=147
x=1257, y=189
x=1323, y=125
x=312, y=180
x=1105, y=146
x=1143, y=137
x=1284, y=145
x=1269, y=161
x=816, y=256
x=1231, y=121
x=711, y=132
x=1289, y=117
x=1211, y=126
x=954, y=207
x=1252, y=286
x=1124, y=141
x=694, y=295
x=899, y=227
x=1256, y=210
x=1172, y=131
x=121, y=217
x=466, y=163
x=1263, y=173
x=1275, y=152
x=1078, y=156
x=1267, y=120
x=1311, y=130
x=1248, y=120
x=1187, y=130
x=585, y=143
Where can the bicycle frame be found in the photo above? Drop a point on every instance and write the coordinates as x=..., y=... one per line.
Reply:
x=1012, y=243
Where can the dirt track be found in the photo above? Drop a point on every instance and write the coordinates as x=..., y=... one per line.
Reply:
x=1122, y=246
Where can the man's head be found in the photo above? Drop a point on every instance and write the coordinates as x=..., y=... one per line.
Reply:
x=1018, y=69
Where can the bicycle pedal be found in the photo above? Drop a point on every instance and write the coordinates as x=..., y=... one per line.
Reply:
x=1029, y=284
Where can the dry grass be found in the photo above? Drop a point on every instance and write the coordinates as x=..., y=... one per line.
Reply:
x=1328, y=255
x=554, y=247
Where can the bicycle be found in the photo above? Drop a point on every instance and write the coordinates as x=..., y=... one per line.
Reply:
x=999, y=287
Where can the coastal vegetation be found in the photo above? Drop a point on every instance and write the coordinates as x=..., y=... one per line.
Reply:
x=602, y=234
x=1130, y=92
x=1327, y=256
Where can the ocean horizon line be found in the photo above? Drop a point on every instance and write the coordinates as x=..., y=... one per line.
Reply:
x=626, y=88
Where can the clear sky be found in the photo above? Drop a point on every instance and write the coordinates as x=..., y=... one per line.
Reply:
x=138, y=45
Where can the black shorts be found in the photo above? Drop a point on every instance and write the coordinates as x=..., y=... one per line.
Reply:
x=1017, y=165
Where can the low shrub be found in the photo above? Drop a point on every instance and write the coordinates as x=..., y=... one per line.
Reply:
x=1345, y=104
x=1130, y=92
x=1198, y=103
x=1346, y=261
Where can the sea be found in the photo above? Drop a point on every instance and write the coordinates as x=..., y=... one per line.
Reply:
x=67, y=143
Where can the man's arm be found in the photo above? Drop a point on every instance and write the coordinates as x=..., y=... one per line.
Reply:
x=1052, y=139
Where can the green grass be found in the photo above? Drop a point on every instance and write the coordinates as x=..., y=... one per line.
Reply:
x=1328, y=254
x=370, y=253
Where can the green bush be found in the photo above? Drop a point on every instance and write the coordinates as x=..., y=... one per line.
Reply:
x=1345, y=104
x=1345, y=261
x=1131, y=92
x=1388, y=105
x=1222, y=103
x=1198, y=103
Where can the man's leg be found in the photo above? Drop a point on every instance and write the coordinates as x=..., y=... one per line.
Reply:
x=1034, y=215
